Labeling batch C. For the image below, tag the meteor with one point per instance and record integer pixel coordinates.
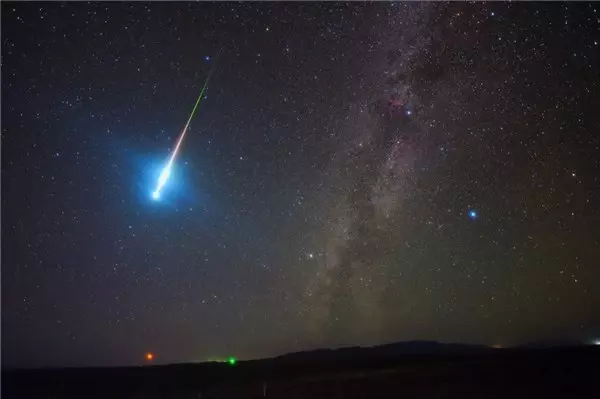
(166, 172)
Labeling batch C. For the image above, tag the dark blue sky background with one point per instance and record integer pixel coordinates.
(322, 194)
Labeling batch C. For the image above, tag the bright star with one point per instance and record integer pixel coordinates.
(473, 214)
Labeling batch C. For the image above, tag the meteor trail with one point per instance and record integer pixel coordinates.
(166, 172)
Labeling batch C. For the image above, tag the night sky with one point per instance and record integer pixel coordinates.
(356, 174)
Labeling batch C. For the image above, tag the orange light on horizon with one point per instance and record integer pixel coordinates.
(149, 356)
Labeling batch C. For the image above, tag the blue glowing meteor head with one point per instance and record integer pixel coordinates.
(162, 180)
(473, 214)
(164, 176)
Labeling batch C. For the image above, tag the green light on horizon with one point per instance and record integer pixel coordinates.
(232, 361)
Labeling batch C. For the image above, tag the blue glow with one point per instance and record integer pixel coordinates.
(207, 57)
(473, 214)
(162, 180)
(177, 196)
(409, 112)
(164, 176)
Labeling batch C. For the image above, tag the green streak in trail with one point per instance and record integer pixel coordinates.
(201, 94)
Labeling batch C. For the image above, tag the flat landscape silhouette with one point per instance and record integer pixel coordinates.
(412, 369)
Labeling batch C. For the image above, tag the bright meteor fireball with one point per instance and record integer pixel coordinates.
(166, 172)
(162, 180)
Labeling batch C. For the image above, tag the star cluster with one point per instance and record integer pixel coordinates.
(356, 174)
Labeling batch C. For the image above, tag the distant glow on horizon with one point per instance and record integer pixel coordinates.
(149, 356)
(232, 361)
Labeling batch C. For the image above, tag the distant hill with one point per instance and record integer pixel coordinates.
(386, 351)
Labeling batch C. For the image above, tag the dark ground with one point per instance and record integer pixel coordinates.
(352, 373)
